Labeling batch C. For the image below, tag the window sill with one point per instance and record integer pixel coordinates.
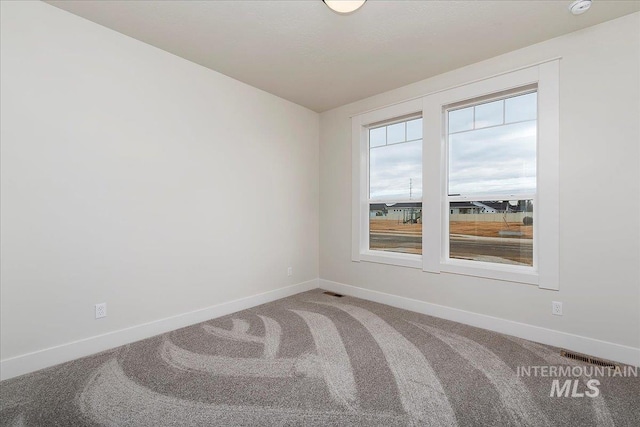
(391, 258)
(509, 273)
(485, 270)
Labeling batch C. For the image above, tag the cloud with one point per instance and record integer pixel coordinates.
(392, 168)
(497, 160)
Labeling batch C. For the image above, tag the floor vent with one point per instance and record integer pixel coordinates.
(333, 294)
(587, 359)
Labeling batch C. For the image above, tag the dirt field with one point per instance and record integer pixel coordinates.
(393, 227)
(490, 229)
(469, 228)
(389, 235)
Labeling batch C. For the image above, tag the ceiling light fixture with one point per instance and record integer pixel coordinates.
(579, 7)
(344, 7)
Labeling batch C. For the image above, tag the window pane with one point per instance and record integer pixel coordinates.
(377, 137)
(414, 129)
(395, 133)
(396, 227)
(489, 114)
(395, 171)
(497, 160)
(492, 231)
(523, 107)
(460, 120)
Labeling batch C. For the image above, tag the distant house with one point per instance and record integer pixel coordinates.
(412, 212)
(402, 212)
(489, 207)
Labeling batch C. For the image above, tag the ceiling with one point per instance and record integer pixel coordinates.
(302, 51)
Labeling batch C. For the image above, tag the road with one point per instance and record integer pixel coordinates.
(519, 250)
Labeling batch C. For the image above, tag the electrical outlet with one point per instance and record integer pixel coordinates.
(556, 308)
(101, 310)
(290, 271)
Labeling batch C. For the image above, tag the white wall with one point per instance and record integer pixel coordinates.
(136, 178)
(599, 152)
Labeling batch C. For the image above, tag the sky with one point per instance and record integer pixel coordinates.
(492, 149)
(498, 160)
(392, 168)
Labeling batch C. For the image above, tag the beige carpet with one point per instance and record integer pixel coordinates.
(314, 359)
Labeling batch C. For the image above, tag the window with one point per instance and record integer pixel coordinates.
(464, 180)
(395, 186)
(387, 182)
(491, 178)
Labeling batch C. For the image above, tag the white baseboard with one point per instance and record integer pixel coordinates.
(40, 359)
(581, 344)
(31, 362)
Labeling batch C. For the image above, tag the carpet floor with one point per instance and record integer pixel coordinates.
(313, 359)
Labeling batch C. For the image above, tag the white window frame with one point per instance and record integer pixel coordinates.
(435, 206)
(360, 185)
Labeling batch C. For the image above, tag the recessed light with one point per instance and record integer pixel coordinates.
(579, 7)
(344, 6)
